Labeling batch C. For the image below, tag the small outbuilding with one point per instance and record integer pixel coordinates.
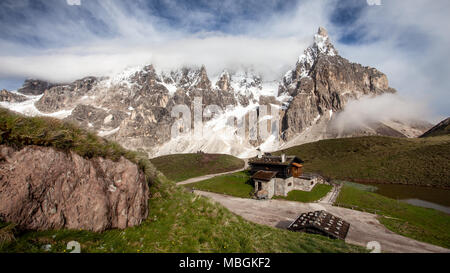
(278, 175)
(264, 184)
(321, 222)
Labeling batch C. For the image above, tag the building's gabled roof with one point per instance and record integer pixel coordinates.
(264, 175)
(321, 222)
(274, 160)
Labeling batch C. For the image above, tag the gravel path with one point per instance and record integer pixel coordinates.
(331, 197)
(205, 177)
(364, 227)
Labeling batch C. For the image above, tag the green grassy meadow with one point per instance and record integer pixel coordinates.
(235, 184)
(181, 167)
(178, 221)
(422, 162)
(422, 224)
(317, 193)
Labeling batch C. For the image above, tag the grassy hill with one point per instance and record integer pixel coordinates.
(239, 184)
(317, 193)
(181, 222)
(441, 129)
(178, 221)
(427, 225)
(180, 167)
(235, 184)
(423, 162)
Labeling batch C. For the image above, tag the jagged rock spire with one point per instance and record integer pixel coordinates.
(322, 43)
(224, 81)
(322, 32)
(321, 46)
(203, 81)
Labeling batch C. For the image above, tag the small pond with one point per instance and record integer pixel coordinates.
(427, 197)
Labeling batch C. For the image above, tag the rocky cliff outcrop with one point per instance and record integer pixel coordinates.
(34, 87)
(64, 96)
(323, 82)
(41, 188)
(7, 96)
(134, 107)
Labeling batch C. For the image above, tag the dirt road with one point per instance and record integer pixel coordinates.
(364, 227)
(205, 177)
(331, 197)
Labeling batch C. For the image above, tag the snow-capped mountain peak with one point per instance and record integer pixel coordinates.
(224, 81)
(322, 43)
(134, 107)
(321, 46)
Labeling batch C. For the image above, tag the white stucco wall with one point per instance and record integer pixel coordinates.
(267, 186)
(304, 184)
(282, 187)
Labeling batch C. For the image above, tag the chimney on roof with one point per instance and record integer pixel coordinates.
(283, 158)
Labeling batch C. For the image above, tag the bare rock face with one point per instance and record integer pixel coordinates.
(323, 81)
(7, 96)
(42, 189)
(34, 87)
(97, 119)
(135, 107)
(138, 106)
(65, 96)
(224, 82)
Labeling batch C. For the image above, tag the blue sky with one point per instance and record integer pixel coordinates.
(193, 17)
(53, 40)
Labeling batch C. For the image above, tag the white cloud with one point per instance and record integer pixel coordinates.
(411, 47)
(270, 57)
(73, 2)
(374, 2)
(417, 66)
(386, 107)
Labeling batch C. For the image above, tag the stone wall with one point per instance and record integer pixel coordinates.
(267, 186)
(304, 184)
(283, 186)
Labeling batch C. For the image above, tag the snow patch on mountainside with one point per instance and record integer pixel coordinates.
(220, 136)
(122, 78)
(27, 108)
(321, 45)
(109, 132)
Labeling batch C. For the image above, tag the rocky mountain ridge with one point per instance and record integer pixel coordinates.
(442, 128)
(134, 107)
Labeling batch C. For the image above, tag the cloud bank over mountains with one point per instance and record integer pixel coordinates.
(61, 40)
(386, 107)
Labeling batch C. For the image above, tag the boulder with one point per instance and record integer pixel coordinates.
(42, 188)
